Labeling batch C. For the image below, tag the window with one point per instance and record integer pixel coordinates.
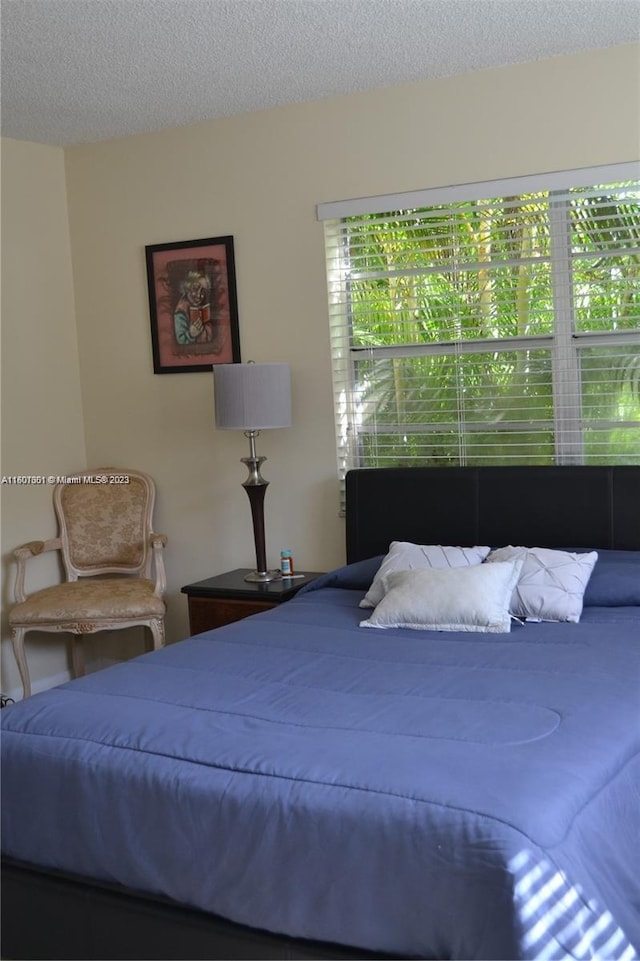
(494, 323)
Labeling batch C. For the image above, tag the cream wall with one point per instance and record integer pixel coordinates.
(259, 177)
(42, 425)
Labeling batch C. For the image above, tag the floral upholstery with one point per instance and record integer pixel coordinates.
(105, 528)
(96, 598)
(105, 523)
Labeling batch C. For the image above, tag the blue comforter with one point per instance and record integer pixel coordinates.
(426, 794)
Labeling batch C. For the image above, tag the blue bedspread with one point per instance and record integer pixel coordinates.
(426, 794)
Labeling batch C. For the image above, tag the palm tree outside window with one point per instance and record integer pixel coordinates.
(500, 328)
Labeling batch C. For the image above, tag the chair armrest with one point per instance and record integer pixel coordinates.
(158, 542)
(22, 555)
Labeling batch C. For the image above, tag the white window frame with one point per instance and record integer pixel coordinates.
(564, 343)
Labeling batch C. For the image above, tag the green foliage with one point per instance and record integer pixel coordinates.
(436, 297)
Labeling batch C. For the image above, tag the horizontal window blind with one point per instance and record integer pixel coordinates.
(504, 328)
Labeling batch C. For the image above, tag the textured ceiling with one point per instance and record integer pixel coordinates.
(83, 70)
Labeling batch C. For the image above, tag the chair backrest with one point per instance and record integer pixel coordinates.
(105, 518)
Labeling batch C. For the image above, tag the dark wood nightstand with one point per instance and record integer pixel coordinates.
(228, 597)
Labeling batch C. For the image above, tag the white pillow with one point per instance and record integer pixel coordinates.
(404, 556)
(552, 583)
(466, 599)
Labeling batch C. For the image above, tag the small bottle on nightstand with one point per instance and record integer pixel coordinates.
(286, 563)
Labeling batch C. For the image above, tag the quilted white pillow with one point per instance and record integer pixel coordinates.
(465, 599)
(552, 583)
(405, 556)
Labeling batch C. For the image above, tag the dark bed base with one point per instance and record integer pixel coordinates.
(51, 915)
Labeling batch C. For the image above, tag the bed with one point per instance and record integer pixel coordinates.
(296, 786)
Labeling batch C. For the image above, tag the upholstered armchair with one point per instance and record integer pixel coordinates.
(108, 550)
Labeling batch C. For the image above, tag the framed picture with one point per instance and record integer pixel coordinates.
(193, 305)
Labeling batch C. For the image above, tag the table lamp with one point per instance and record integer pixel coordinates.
(253, 397)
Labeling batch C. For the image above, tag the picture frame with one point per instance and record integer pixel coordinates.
(193, 305)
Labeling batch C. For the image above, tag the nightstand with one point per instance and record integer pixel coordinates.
(228, 597)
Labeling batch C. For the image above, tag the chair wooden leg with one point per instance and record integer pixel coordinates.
(17, 641)
(157, 630)
(77, 655)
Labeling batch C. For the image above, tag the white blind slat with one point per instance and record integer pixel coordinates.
(431, 197)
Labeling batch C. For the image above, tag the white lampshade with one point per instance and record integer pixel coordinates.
(252, 396)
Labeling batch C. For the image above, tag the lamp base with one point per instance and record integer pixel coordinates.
(263, 577)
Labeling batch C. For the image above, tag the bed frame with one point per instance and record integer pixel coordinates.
(48, 914)
(533, 506)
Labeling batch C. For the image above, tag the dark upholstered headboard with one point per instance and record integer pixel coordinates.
(531, 506)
